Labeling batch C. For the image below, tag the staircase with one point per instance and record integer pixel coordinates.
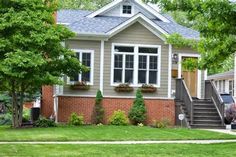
(205, 115)
(200, 113)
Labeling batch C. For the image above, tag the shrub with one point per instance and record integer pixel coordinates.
(76, 120)
(98, 111)
(26, 115)
(161, 124)
(44, 123)
(230, 114)
(118, 118)
(138, 111)
(6, 119)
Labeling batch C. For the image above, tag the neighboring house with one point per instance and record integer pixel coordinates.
(123, 42)
(224, 82)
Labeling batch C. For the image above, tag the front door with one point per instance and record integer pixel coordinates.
(190, 78)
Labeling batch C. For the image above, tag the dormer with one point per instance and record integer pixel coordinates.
(128, 8)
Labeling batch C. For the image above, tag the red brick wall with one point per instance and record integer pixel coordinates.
(47, 102)
(156, 109)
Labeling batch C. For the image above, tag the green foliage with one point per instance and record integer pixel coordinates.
(26, 115)
(118, 118)
(215, 20)
(76, 120)
(178, 41)
(161, 124)
(138, 111)
(5, 119)
(190, 64)
(44, 123)
(98, 111)
(31, 50)
(82, 4)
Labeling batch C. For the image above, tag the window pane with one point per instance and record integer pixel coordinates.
(86, 59)
(153, 62)
(129, 63)
(86, 77)
(118, 61)
(124, 49)
(142, 76)
(142, 62)
(128, 76)
(127, 9)
(148, 50)
(153, 77)
(117, 75)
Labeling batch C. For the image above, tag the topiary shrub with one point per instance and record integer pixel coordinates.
(44, 123)
(118, 118)
(98, 111)
(76, 120)
(138, 111)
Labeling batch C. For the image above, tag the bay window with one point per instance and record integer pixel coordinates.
(135, 64)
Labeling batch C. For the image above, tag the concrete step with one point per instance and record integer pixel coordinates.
(204, 110)
(205, 113)
(204, 106)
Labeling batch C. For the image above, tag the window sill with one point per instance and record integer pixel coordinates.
(135, 86)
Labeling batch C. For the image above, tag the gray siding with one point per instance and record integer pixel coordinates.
(136, 34)
(87, 45)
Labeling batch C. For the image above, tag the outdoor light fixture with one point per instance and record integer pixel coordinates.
(175, 58)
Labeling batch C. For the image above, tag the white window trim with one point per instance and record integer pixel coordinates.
(126, 15)
(136, 55)
(92, 65)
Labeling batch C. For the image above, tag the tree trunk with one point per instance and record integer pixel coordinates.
(15, 113)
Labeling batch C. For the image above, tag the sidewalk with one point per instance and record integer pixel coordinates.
(222, 131)
(124, 142)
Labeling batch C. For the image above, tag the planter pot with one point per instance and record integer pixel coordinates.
(148, 90)
(80, 87)
(228, 127)
(124, 89)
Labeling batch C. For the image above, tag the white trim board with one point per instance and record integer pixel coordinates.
(141, 4)
(144, 21)
(102, 65)
(199, 73)
(169, 70)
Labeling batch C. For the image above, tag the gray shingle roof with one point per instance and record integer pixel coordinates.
(77, 21)
(222, 76)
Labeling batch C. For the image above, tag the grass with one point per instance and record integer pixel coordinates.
(157, 150)
(106, 133)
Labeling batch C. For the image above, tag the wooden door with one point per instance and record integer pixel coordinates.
(190, 78)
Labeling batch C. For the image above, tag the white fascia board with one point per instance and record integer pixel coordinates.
(105, 8)
(132, 21)
(152, 11)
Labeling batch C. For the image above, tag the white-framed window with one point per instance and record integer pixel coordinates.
(135, 64)
(86, 57)
(126, 9)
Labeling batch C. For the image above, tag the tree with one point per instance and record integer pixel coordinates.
(98, 112)
(215, 20)
(31, 54)
(138, 111)
(82, 4)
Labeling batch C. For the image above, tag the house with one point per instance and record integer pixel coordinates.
(224, 82)
(123, 43)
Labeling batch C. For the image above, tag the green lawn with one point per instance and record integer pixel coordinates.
(106, 133)
(156, 150)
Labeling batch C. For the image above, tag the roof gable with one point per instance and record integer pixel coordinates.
(114, 8)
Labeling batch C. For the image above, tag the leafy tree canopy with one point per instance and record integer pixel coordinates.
(31, 54)
(215, 20)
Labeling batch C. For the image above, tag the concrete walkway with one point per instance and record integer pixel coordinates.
(222, 131)
(125, 142)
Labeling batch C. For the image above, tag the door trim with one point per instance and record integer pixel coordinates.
(199, 72)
